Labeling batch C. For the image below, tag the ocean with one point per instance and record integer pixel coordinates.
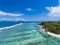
(25, 33)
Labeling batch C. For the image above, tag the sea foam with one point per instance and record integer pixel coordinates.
(10, 26)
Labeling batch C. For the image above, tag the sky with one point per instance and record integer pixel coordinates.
(29, 10)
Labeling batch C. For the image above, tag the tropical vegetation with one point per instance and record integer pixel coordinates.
(53, 27)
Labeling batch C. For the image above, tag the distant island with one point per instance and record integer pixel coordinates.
(52, 28)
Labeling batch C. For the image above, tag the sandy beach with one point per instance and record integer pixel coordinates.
(49, 33)
(52, 34)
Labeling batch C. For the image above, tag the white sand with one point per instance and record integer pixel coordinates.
(52, 34)
(49, 33)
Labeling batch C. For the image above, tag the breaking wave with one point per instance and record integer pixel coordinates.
(10, 26)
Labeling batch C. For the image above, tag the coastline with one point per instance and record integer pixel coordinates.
(49, 33)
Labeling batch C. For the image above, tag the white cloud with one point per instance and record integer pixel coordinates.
(29, 9)
(9, 14)
(4, 16)
(12, 19)
(54, 11)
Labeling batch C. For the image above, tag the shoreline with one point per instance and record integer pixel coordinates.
(49, 33)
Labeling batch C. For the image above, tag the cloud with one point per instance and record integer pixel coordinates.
(54, 11)
(11, 19)
(5, 16)
(9, 14)
(29, 9)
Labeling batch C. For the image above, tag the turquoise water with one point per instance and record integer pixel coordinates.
(26, 34)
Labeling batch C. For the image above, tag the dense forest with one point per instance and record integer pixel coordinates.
(53, 27)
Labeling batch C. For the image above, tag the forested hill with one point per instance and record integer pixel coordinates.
(53, 27)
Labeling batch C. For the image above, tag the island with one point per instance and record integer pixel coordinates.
(52, 28)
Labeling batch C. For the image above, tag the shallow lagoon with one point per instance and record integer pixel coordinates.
(26, 34)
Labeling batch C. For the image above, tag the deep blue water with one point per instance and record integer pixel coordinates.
(10, 23)
(26, 33)
(7, 23)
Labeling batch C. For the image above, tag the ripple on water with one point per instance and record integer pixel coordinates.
(26, 34)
